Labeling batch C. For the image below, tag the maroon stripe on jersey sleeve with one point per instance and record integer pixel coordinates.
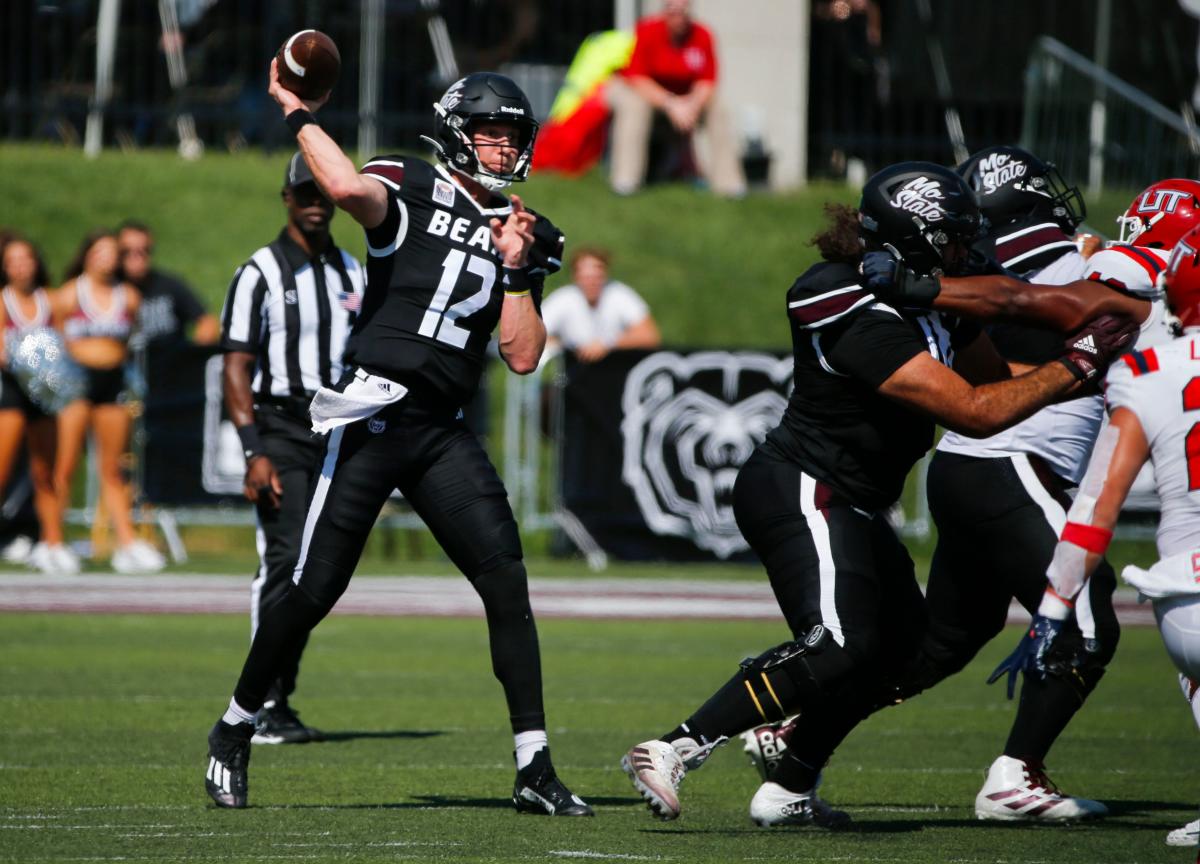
(1008, 250)
(827, 307)
(390, 171)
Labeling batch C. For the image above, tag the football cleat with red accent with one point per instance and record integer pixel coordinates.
(766, 745)
(1019, 791)
(656, 770)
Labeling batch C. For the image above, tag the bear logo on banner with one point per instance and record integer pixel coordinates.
(689, 423)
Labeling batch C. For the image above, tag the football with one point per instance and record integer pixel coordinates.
(308, 64)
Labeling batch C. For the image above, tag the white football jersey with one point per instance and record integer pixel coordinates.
(1133, 269)
(1161, 385)
(1063, 435)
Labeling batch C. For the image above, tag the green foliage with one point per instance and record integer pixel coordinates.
(105, 716)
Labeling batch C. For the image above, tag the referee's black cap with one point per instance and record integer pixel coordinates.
(297, 173)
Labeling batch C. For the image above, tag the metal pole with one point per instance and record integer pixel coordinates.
(625, 14)
(1099, 115)
(371, 50)
(106, 55)
(190, 145)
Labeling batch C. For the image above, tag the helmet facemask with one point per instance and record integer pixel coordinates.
(457, 147)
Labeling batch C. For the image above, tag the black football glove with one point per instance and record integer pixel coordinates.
(1097, 344)
(888, 279)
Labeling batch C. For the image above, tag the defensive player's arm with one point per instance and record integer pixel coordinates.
(1063, 307)
(1119, 454)
(363, 198)
(522, 333)
(975, 410)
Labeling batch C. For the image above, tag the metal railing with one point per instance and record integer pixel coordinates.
(1092, 124)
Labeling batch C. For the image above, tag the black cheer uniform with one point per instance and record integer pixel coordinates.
(435, 290)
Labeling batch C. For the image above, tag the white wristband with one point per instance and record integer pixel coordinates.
(1054, 607)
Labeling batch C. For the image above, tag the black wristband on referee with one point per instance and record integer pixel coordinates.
(516, 281)
(298, 119)
(251, 443)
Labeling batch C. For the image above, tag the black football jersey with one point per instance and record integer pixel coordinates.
(837, 427)
(434, 281)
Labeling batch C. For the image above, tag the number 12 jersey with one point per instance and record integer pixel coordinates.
(434, 282)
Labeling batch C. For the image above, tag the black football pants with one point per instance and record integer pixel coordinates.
(446, 477)
(998, 522)
(831, 564)
(296, 455)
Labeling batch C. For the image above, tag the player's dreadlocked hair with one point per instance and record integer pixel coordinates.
(839, 241)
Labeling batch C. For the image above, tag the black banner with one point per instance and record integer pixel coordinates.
(652, 443)
(191, 453)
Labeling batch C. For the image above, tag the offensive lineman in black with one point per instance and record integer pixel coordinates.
(870, 381)
(448, 258)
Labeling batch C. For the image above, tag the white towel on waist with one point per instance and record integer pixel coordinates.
(361, 398)
(1172, 576)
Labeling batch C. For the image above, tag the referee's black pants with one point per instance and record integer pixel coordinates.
(834, 565)
(998, 522)
(446, 476)
(296, 455)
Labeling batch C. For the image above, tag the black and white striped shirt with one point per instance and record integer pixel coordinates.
(294, 313)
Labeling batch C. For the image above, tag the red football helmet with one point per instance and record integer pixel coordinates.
(1182, 278)
(1162, 214)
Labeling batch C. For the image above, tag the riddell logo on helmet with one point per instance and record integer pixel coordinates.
(1161, 201)
(999, 170)
(920, 197)
(508, 110)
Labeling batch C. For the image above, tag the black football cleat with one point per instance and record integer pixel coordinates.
(538, 790)
(226, 780)
(279, 723)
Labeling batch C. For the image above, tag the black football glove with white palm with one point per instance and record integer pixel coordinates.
(885, 276)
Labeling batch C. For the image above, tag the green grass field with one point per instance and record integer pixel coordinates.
(104, 721)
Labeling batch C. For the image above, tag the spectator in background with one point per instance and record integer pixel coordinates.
(169, 307)
(673, 70)
(99, 310)
(25, 305)
(596, 314)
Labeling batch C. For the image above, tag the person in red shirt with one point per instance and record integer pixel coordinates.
(673, 70)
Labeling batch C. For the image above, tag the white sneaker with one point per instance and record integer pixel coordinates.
(17, 551)
(766, 745)
(1188, 835)
(1017, 791)
(138, 557)
(656, 771)
(774, 805)
(57, 559)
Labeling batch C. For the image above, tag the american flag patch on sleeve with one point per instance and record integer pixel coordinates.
(350, 301)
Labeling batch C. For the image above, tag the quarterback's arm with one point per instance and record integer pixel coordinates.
(1119, 454)
(363, 198)
(522, 333)
(978, 411)
(1064, 307)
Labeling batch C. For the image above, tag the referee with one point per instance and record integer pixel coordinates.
(284, 327)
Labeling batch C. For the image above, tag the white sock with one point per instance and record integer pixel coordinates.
(236, 714)
(527, 744)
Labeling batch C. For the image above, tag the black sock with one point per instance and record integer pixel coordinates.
(728, 712)
(512, 635)
(1046, 707)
